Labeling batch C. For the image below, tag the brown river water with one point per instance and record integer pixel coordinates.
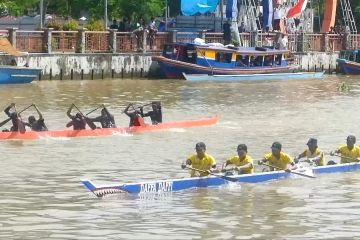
(42, 196)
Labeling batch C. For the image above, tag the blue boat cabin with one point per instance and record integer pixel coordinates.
(226, 57)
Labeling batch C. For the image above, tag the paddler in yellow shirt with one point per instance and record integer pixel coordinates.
(243, 163)
(313, 153)
(278, 160)
(201, 161)
(349, 152)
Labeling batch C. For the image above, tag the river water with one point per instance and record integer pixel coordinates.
(43, 198)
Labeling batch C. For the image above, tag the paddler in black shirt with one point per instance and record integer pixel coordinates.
(37, 125)
(155, 115)
(77, 121)
(17, 123)
(106, 119)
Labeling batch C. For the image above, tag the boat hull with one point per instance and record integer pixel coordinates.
(30, 135)
(199, 182)
(18, 75)
(174, 69)
(254, 77)
(349, 67)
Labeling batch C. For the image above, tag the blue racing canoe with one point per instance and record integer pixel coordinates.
(171, 185)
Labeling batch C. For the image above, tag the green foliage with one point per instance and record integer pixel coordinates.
(95, 25)
(71, 25)
(56, 25)
(135, 9)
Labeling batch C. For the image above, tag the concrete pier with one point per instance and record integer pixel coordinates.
(127, 65)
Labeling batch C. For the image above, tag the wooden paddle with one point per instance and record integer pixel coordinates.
(21, 125)
(88, 121)
(298, 173)
(217, 175)
(7, 120)
(349, 158)
(94, 109)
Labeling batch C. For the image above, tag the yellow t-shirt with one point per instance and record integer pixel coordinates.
(353, 153)
(280, 163)
(241, 162)
(203, 164)
(308, 154)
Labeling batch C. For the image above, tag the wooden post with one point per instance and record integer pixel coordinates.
(47, 47)
(12, 36)
(346, 41)
(173, 36)
(325, 43)
(112, 43)
(81, 41)
(144, 40)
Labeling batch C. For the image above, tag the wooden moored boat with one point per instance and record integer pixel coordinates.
(17, 75)
(178, 58)
(187, 183)
(254, 77)
(349, 62)
(109, 131)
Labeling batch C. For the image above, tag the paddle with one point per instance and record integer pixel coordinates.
(298, 173)
(349, 158)
(88, 121)
(94, 110)
(217, 175)
(7, 120)
(4, 122)
(21, 125)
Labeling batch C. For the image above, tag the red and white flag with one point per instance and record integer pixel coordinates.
(296, 11)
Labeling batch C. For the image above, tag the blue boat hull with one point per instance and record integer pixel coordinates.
(187, 183)
(254, 77)
(349, 67)
(17, 75)
(174, 69)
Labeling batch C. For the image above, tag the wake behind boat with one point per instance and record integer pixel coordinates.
(171, 185)
(254, 77)
(29, 135)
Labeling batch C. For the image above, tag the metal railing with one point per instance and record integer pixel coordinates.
(125, 42)
(30, 41)
(64, 41)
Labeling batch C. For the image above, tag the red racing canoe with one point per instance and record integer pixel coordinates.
(29, 135)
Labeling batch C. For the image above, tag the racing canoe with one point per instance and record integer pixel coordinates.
(171, 185)
(29, 135)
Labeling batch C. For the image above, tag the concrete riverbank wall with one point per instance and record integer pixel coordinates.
(130, 65)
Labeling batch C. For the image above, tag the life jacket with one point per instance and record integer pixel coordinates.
(139, 121)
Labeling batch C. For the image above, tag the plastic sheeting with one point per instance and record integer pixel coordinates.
(192, 7)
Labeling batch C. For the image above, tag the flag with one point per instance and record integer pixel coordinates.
(231, 9)
(296, 11)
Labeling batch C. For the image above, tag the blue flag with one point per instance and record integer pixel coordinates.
(192, 7)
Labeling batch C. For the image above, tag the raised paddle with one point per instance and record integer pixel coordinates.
(7, 120)
(88, 121)
(217, 175)
(298, 173)
(94, 110)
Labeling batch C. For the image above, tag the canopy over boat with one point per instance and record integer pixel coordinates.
(109, 131)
